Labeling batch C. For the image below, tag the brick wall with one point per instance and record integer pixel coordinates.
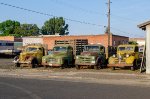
(92, 39)
(117, 40)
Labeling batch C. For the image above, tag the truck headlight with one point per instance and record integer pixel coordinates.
(59, 60)
(127, 55)
(77, 57)
(44, 60)
(114, 55)
(93, 57)
(93, 62)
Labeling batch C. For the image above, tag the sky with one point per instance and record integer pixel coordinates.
(125, 14)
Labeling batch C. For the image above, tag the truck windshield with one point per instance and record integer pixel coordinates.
(59, 49)
(29, 49)
(125, 48)
(91, 48)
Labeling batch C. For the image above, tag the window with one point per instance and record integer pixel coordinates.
(9, 44)
(123, 42)
(31, 49)
(60, 48)
(121, 48)
(91, 48)
(114, 43)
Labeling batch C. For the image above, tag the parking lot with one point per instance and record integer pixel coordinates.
(6, 63)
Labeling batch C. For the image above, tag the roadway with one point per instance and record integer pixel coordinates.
(25, 88)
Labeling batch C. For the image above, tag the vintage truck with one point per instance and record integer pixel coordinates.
(31, 55)
(92, 56)
(62, 56)
(64, 53)
(127, 56)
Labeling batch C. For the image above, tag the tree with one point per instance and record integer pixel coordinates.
(27, 30)
(8, 27)
(14, 28)
(55, 25)
(133, 42)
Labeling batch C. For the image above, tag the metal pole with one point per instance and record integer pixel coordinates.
(108, 23)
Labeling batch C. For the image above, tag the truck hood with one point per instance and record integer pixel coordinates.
(89, 53)
(56, 54)
(26, 56)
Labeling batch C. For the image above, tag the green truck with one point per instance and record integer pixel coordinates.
(92, 56)
(62, 56)
(64, 52)
(31, 55)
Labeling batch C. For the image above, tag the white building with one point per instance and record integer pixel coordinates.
(140, 41)
(32, 40)
(146, 27)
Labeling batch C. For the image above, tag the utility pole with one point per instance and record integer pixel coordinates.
(108, 15)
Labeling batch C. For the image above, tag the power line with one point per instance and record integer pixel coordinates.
(77, 7)
(45, 14)
(33, 11)
(90, 11)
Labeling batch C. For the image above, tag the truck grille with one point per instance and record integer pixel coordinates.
(85, 59)
(52, 60)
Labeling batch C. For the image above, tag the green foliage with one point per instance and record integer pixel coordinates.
(8, 27)
(55, 25)
(51, 27)
(27, 30)
(133, 42)
(14, 28)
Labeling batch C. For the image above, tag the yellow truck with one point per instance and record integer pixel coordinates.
(31, 55)
(127, 56)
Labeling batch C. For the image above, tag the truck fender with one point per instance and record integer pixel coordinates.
(16, 59)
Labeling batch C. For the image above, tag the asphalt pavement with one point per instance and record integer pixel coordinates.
(21, 88)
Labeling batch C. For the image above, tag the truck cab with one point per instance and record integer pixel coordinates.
(127, 56)
(62, 56)
(92, 56)
(30, 56)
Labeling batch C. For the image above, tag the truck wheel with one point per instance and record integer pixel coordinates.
(100, 64)
(17, 65)
(64, 65)
(134, 65)
(96, 67)
(132, 68)
(34, 63)
(113, 68)
(45, 66)
(77, 67)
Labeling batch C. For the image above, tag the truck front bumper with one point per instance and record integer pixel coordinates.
(51, 64)
(85, 64)
(120, 65)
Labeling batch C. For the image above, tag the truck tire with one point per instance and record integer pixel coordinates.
(134, 65)
(96, 67)
(34, 63)
(17, 65)
(132, 68)
(100, 64)
(64, 65)
(77, 67)
(113, 68)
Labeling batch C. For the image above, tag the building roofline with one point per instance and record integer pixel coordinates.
(143, 25)
(119, 36)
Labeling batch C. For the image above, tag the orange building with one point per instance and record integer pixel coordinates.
(7, 38)
(115, 40)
